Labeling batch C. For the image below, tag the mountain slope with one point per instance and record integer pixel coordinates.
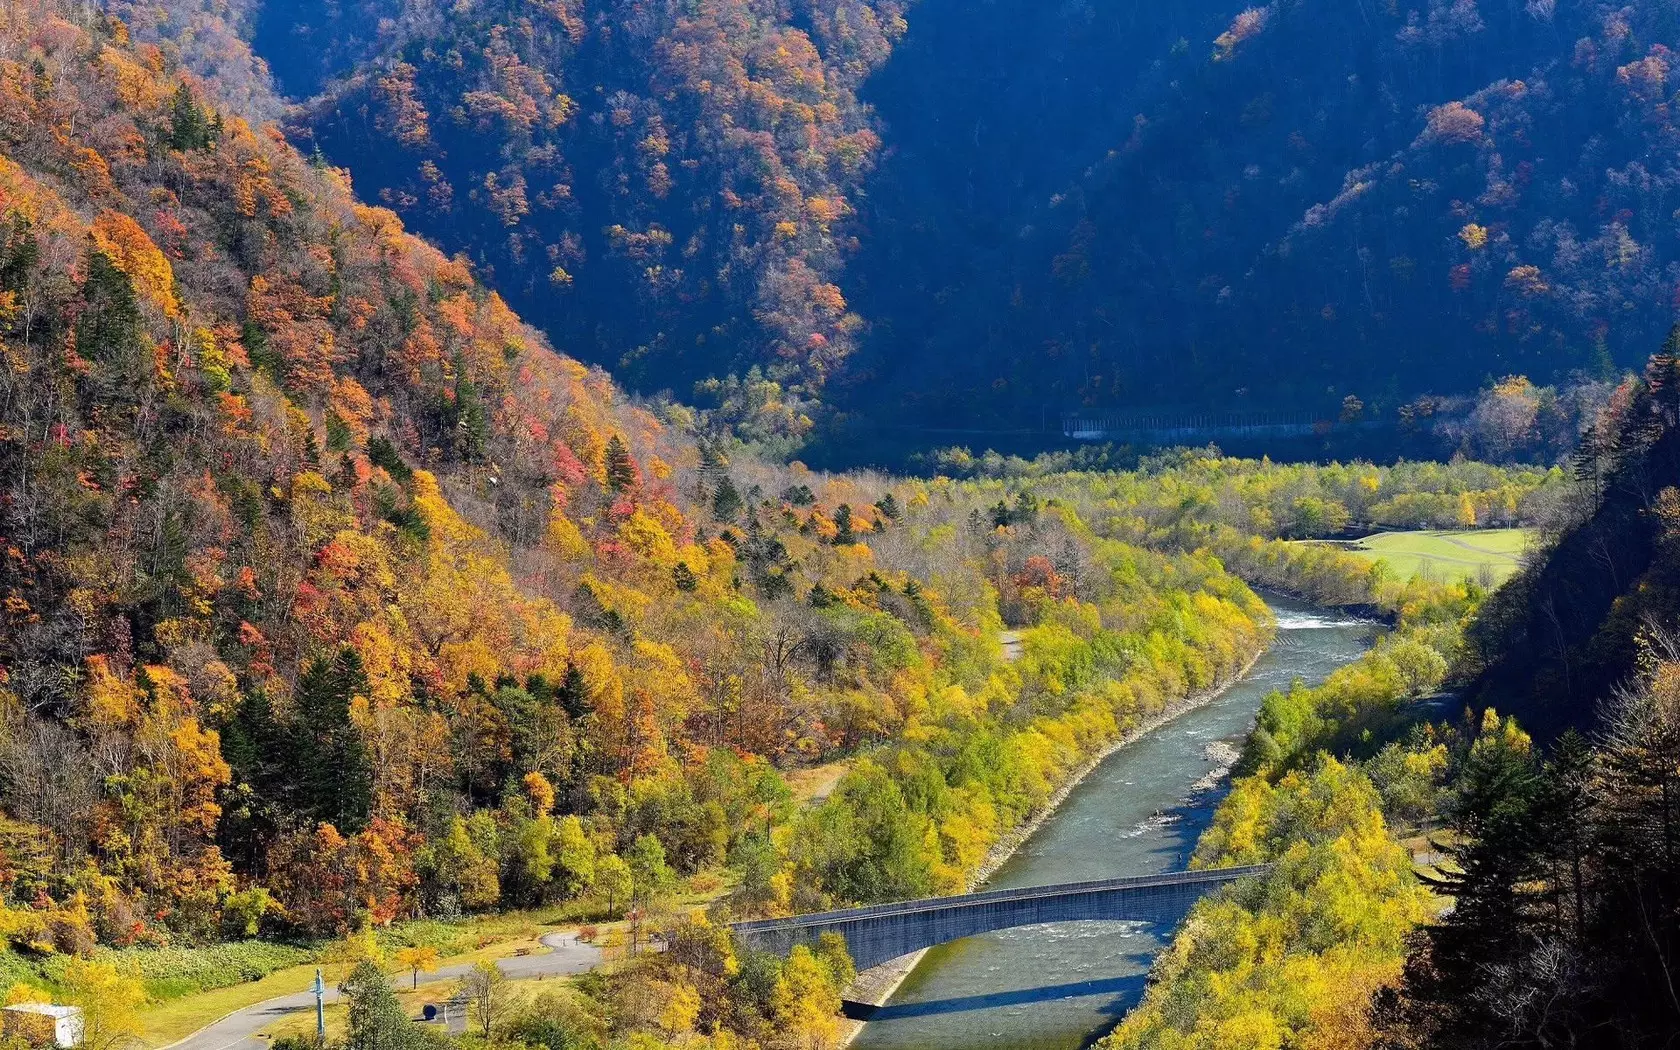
(930, 215)
(1325, 199)
(665, 187)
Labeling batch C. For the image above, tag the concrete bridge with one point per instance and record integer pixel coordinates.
(886, 931)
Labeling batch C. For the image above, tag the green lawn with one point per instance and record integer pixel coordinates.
(1446, 554)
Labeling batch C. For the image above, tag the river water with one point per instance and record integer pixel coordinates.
(1059, 986)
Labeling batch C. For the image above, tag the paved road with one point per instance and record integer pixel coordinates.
(245, 1029)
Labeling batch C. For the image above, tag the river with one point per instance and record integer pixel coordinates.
(1059, 986)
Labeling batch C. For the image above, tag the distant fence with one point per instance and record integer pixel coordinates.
(1169, 427)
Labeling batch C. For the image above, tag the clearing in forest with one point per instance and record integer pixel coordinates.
(1488, 556)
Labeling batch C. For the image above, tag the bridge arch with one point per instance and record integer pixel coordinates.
(883, 932)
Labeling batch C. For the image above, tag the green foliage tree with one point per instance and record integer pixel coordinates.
(375, 1018)
(189, 127)
(468, 417)
(683, 578)
(109, 327)
(844, 531)
(573, 694)
(650, 874)
(614, 882)
(328, 767)
(575, 857)
(865, 844)
(726, 501)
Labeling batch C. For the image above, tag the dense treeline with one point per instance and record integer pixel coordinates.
(1563, 929)
(1189, 498)
(332, 595)
(1325, 780)
(1114, 635)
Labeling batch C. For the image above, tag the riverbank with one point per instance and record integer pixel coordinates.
(1006, 847)
(1140, 810)
(876, 986)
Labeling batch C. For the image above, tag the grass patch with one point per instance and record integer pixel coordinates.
(177, 1009)
(1487, 556)
(171, 973)
(166, 1022)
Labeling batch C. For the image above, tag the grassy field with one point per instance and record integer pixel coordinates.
(1484, 555)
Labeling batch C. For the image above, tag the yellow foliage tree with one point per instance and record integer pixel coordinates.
(419, 959)
(110, 999)
(122, 241)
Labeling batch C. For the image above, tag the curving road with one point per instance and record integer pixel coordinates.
(245, 1029)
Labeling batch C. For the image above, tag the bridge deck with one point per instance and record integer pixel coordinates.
(933, 904)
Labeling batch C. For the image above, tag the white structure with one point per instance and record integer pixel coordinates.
(44, 1024)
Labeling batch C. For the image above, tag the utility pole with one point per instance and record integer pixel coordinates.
(320, 988)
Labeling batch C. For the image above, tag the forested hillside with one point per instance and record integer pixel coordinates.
(668, 188)
(1570, 627)
(1536, 907)
(333, 596)
(1303, 201)
(922, 216)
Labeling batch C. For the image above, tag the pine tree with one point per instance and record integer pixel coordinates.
(727, 503)
(331, 776)
(684, 577)
(1662, 374)
(1493, 883)
(471, 420)
(1563, 808)
(109, 327)
(254, 746)
(189, 128)
(844, 533)
(713, 463)
(573, 694)
(799, 495)
(622, 472)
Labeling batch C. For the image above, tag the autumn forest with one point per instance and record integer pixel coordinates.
(410, 543)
